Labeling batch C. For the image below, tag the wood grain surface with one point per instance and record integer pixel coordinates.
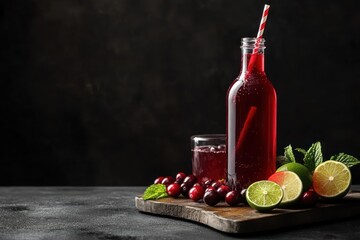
(243, 219)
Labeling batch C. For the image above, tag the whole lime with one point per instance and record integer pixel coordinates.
(302, 171)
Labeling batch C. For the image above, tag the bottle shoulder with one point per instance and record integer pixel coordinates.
(259, 78)
(251, 83)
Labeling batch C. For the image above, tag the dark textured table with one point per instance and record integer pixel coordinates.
(110, 213)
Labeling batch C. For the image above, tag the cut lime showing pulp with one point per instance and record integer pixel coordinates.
(291, 184)
(332, 179)
(264, 195)
(302, 171)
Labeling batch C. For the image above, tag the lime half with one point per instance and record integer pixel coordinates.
(302, 171)
(332, 179)
(291, 184)
(264, 195)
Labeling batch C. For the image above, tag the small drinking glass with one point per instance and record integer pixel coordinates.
(209, 159)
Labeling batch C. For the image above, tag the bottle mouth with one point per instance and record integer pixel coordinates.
(204, 137)
(251, 42)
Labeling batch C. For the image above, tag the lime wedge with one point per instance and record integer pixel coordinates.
(332, 179)
(264, 195)
(291, 185)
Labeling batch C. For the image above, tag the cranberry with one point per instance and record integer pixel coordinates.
(158, 180)
(185, 187)
(167, 180)
(190, 179)
(173, 190)
(208, 183)
(178, 182)
(197, 184)
(243, 195)
(233, 198)
(216, 184)
(211, 198)
(180, 177)
(210, 188)
(223, 190)
(309, 198)
(196, 193)
(243, 192)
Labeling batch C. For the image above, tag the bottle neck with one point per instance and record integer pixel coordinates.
(252, 55)
(252, 62)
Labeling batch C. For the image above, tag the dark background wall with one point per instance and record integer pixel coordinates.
(109, 92)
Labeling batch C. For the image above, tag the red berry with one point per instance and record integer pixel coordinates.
(196, 193)
(190, 179)
(233, 198)
(167, 180)
(197, 184)
(207, 183)
(178, 182)
(185, 187)
(309, 198)
(243, 192)
(180, 177)
(211, 198)
(158, 180)
(223, 190)
(243, 195)
(173, 190)
(210, 188)
(216, 184)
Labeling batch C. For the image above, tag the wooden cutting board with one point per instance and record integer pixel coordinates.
(243, 219)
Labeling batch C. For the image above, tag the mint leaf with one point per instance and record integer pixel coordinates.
(288, 153)
(313, 157)
(346, 159)
(301, 150)
(155, 191)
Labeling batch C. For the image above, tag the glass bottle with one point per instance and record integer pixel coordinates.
(251, 119)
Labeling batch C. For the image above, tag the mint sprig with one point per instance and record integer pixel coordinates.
(288, 153)
(313, 156)
(346, 159)
(155, 191)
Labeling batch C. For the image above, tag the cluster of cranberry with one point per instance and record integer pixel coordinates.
(209, 191)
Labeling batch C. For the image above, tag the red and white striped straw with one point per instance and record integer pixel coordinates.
(261, 27)
(263, 21)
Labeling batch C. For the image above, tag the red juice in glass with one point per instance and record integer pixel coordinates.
(251, 120)
(209, 157)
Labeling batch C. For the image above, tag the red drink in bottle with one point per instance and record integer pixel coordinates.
(251, 120)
